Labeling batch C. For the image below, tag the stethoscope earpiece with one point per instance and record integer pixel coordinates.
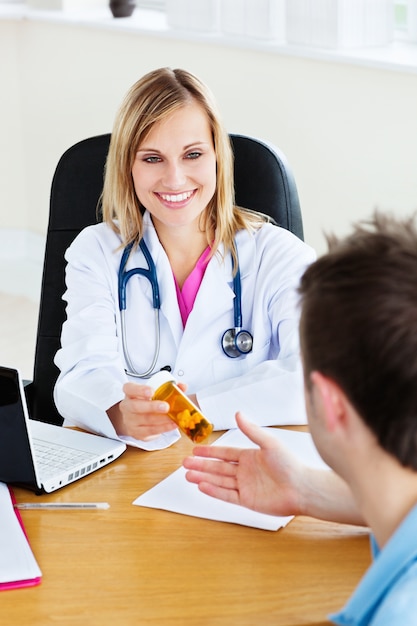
(236, 342)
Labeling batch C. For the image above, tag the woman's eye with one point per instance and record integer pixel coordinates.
(152, 159)
(193, 155)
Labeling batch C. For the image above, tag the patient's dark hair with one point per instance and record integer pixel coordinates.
(359, 327)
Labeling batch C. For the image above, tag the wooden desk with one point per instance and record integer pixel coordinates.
(135, 566)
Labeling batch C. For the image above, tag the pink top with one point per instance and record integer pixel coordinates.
(187, 295)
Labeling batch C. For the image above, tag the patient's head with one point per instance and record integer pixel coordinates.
(359, 326)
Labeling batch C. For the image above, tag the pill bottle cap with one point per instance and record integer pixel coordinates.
(160, 378)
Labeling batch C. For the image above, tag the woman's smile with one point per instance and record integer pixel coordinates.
(176, 200)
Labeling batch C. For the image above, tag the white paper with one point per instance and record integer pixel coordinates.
(176, 494)
(17, 562)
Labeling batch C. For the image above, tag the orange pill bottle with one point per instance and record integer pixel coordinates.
(182, 411)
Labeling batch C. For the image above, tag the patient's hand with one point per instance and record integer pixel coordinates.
(265, 479)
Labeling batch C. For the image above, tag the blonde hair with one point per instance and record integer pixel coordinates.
(150, 100)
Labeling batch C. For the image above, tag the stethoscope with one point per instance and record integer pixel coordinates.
(234, 342)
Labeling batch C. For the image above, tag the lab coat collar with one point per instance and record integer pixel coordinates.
(245, 243)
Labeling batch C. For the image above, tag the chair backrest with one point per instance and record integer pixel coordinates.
(263, 182)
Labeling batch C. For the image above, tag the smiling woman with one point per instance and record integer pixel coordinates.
(169, 216)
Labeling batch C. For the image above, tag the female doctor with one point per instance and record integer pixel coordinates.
(177, 277)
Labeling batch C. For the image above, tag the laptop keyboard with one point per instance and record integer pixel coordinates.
(53, 459)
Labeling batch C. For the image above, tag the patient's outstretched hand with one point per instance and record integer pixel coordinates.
(266, 479)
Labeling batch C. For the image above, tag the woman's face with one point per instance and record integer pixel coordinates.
(174, 172)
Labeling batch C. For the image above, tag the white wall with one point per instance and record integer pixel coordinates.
(12, 160)
(350, 132)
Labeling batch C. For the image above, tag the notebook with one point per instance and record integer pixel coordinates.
(18, 566)
(40, 456)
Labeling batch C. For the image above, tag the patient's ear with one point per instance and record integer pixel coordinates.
(331, 398)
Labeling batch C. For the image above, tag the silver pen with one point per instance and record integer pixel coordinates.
(62, 505)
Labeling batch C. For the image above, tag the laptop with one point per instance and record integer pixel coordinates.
(40, 456)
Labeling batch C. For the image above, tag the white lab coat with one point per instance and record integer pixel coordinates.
(265, 384)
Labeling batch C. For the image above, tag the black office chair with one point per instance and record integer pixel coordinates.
(263, 182)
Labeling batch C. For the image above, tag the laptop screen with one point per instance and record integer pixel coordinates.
(16, 465)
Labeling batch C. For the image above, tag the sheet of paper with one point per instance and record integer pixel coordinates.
(17, 563)
(177, 495)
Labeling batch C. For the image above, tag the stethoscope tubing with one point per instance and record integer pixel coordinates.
(150, 274)
(123, 278)
(235, 341)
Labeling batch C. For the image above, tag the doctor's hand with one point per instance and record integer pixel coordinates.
(268, 479)
(138, 416)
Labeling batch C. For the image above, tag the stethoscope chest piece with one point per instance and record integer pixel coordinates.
(236, 342)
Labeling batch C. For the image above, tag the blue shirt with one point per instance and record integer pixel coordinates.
(387, 594)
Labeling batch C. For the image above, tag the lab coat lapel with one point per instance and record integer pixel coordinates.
(169, 302)
(215, 294)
